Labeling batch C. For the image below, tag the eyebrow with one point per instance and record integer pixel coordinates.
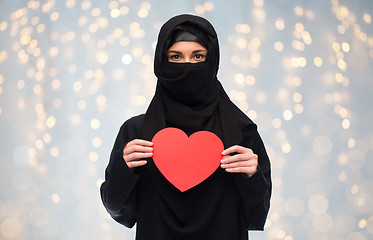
(196, 51)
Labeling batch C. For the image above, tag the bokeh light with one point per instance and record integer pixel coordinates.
(71, 72)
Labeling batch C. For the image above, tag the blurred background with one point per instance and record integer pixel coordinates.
(72, 71)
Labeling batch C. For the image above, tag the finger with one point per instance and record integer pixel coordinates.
(140, 142)
(236, 149)
(136, 164)
(239, 164)
(136, 156)
(239, 157)
(136, 148)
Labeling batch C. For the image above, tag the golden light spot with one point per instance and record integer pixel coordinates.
(10, 228)
(345, 47)
(250, 80)
(259, 13)
(280, 24)
(137, 52)
(239, 78)
(298, 10)
(51, 121)
(252, 114)
(336, 47)
(126, 59)
(209, 6)
(346, 124)
(102, 22)
(75, 119)
(342, 177)
(276, 123)
(351, 142)
(279, 46)
(281, 234)
(93, 156)
(99, 182)
(363, 223)
(298, 45)
(25, 39)
(258, 3)
(296, 81)
(299, 27)
(297, 97)
(96, 12)
(243, 28)
(55, 198)
(82, 20)
(96, 142)
(93, 28)
(101, 57)
(339, 77)
(70, 3)
(53, 52)
(343, 112)
(317, 61)
(55, 16)
(143, 13)
(54, 152)
(124, 41)
(39, 144)
(40, 28)
(343, 159)
(3, 26)
(342, 64)
(199, 9)
(298, 108)
(3, 56)
(140, 100)
(82, 104)
(37, 89)
(77, 86)
(287, 115)
(261, 97)
(20, 84)
(95, 123)
(241, 43)
(86, 4)
(355, 189)
(47, 138)
(124, 10)
(367, 18)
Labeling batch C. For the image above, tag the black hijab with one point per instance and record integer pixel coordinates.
(188, 95)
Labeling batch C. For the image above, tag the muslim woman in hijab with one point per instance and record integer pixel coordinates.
(232, 200)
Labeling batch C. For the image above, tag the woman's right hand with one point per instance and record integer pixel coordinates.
(136, 151)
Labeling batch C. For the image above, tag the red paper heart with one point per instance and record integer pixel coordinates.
(186, 162)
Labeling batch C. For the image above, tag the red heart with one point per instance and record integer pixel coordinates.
(186, 162)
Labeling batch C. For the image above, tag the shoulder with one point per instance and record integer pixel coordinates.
(135, 121)
(132, 127)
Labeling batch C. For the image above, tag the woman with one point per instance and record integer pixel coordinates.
(235, 198)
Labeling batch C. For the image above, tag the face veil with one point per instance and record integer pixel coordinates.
(191, 84)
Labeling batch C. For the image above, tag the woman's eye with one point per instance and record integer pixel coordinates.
(175, 57)
(199, 57)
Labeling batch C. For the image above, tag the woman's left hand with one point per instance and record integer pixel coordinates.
(244, 161)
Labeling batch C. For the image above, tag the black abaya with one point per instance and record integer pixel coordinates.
(189, 97)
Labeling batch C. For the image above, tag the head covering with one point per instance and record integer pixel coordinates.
(185, 35)
(188, 95)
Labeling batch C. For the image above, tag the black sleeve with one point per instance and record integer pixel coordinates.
(255, 192)
(119, 192)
